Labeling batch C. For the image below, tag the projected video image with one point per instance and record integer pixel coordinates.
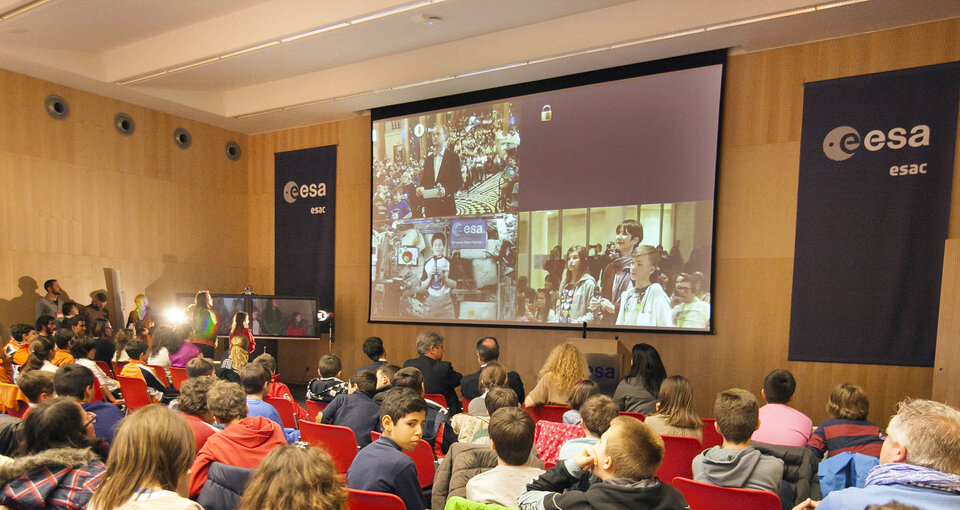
(446, 269)
(457, 163)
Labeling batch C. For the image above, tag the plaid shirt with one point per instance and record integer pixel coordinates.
(54, 487)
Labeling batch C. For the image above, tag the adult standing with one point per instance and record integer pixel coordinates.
(204, 324)
(438, 375)
(442, 177)
(97, 309)
(615, 277)
(488, 351)
(50, 303)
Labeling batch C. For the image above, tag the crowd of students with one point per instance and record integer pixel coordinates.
(217, 443)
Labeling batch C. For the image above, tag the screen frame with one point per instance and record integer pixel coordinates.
(636, 70)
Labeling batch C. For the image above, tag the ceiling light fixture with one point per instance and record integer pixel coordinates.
(22, 9)
(634, 42)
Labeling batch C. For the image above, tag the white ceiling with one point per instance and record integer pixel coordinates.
(103, 46)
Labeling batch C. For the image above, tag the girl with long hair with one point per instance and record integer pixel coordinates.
(241, 326)
(544, 306)
(42, 351)
(204, 324)
(296, 326)
(675, 415)
(294, 477)
(576, 289)
(120, 342)
(102, 332)
(638, 391)
(149, 464)
(494, 375)
(564, 368)
(234, 359)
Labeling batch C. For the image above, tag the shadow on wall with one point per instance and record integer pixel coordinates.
(19, 309)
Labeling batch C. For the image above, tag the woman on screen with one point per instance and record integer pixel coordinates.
(615, 278)
(241, 326)
(204, 324)
(545, 306)
(296, 326)
(576, 289)
(436, 281)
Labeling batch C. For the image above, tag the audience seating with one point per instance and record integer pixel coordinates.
(106, 368)
(314, 407)
(161, 374)
(339, 442)
(287, 410)
(549, 436)
(369, 500)
(97, 391)
(638, 416)
(466, 403)
(547, 412)
(178, 374)
(711, 437)
(134, 392)
(436, 397)
(704, 496)
(678, 457)
(422, 458)
(118, 367)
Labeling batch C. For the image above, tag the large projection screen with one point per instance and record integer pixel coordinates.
(580, 201)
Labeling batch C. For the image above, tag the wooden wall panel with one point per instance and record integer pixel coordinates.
(76, 197)
(946, 375)
(755, 238)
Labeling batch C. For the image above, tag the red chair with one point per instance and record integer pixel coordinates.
(422, 457)
(97, 391)
(118, 366)
(436, 397)
(547, 412)
(134, 392)
(704, 496)
(178, 374)
(678, 457)
(466, 404)
(105, 367)
(369, 500)
(287, 410)
(711, 437)
(638, 416)
(314, 407)
(161, 372)
(339, 442)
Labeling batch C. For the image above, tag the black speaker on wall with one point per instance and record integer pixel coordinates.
(181, 137)
(124, 124)
(56, 107)
(233, 151)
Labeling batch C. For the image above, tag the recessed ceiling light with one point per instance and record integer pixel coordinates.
(430, 20)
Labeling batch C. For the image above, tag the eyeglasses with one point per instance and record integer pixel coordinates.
(91, 419)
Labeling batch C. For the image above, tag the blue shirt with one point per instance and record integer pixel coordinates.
(382, 467)
(858, 499)
(108, 415)
(355, 410)
(257, 407)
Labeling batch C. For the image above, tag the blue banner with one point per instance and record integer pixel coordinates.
(305, 207)
(466, 234)
(873, 207)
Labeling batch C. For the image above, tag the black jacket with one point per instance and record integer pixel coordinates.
(439, 377)
(647, 494)
(372, 366)
(224, 486)
(470, 385)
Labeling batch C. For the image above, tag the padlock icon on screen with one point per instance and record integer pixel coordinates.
(546, 114)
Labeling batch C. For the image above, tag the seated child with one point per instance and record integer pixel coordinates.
(355, 409)
(382, 466)
(496, 399)
(62, 354)
(277, 388)
(73, 380)
(511, 438)
(137, 368)
(735, 463)
(326, 387)
(597, 412)
(37, 386)
(199, 367)
(193, 408)
(492, 376)
(410, 377)
(675, 415)
(256, 382)
(848, 430)
(385, 373)
(234, 359)
(581, 392)
(625, 460)
(84, 349)
(781, 424)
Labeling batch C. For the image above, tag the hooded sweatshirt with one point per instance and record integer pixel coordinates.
(243, 444)
(742, 469)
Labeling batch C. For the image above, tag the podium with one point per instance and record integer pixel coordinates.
(607, 360)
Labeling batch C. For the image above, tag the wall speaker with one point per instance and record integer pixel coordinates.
(182, 138)
(57, 107)
(233, 151)
(124, 124)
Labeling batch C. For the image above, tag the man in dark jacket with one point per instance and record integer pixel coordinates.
(438, 375)
(488, 350)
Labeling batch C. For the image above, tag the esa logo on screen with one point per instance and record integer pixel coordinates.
(842, 142)
(292, 191)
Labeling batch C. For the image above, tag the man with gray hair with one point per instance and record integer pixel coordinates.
(919, 463)
(438, 375)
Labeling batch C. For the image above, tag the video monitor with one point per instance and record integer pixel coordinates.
(269, 315)
(586, 200)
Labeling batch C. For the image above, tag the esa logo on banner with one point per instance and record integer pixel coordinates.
(842, 142)
(292, 191)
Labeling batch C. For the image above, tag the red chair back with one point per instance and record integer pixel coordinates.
(339, 442)
(134, 392)
(287, 410)
(118, 366)
(105, 367)
(547, 412)
(678, 457)
(161, 374)
(711, 437)
(178, 374)
(638, 416)
(466, 403)
(422, 457)
(314, 407)
(436, 397)
(369, 500)
(704, 496)
(97, 391)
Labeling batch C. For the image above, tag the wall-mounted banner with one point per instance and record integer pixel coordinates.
(873, 207)
(305, 198)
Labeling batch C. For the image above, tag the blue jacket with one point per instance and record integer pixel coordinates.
(845, 470)
(257, 407)
(858, 499)
(355, 410)
(108, 415)
(382, 467)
